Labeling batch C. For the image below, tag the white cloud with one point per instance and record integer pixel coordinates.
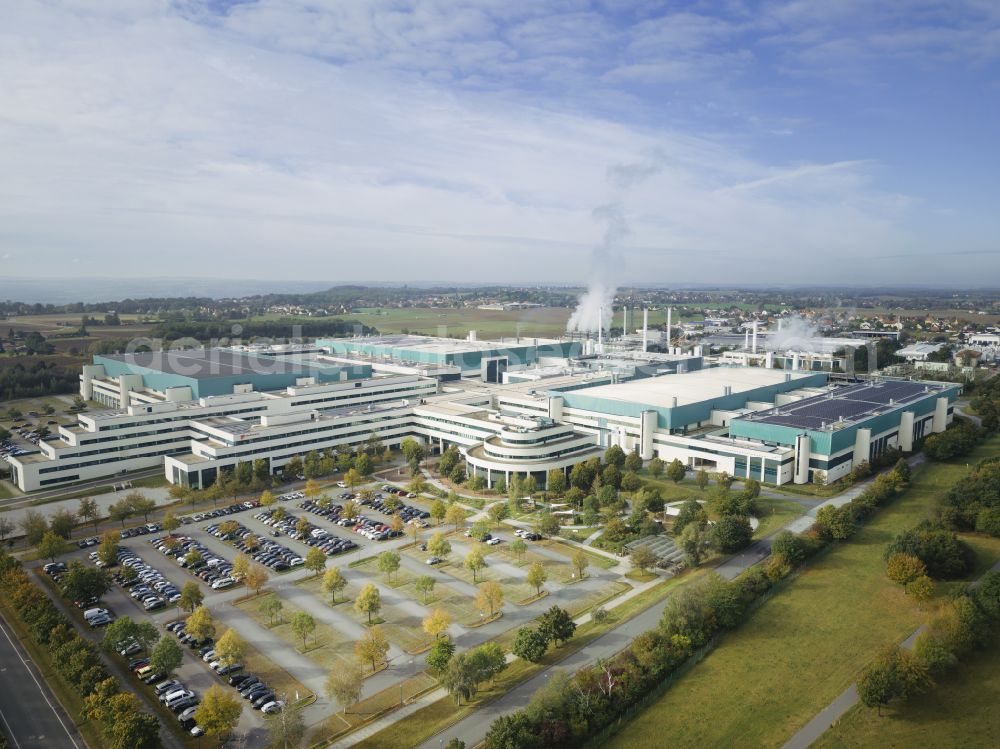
(322, 140)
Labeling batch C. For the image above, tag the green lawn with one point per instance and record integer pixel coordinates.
(961, 710)
(774, 514)
(816, 634)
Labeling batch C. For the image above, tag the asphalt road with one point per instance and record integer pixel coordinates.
(31, 716)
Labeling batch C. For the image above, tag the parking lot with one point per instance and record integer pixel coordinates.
(164, 562)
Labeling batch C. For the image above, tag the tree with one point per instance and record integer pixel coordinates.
(904, 568)
(200, 624)
(364, 465)
(440, 653)
(303, 625)
(34, 525)
(388, 562)
(62, 522)
(920, 589)
(474, 562)
(631, 482)
(518, 548)
(642, 558)
(790, 546)
(548, 524)
(701, 478)
(286, 727)
(83, 583)
(424, 585)
(675, 471)
(52, 545)
(271, 607)
(875, 686)
(140, 504)
(352, 478)
(191, 596)
(107, 552)
(439, 546)
(537, 577)
(732, 533)
(489, 597)
(218, 712)
(369, 601)
(345, 683)
(166, 656)
(632, 462)
(438, 510)
(241, 566)
(530, 644)
(170, 522)
(489, 660)
(124, 629)
(497, 512)
(267, 499)
(6, 528)
(350, 510)
(461, 677)
(437, 623)
(373, 646)
(581, 561)
(556, 625)
(614, 456)
(692, 542)
(655, 467)
(315, 561)
(333, 583)
(455, 516)
(120, 511)
(231, 648)
(256, 578)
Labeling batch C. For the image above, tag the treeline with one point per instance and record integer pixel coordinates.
(272, 329)
(119, 715)
(958, 440)
(973, 502)
(37, 379)
(987, 403)
(965, 624)
(572, 709)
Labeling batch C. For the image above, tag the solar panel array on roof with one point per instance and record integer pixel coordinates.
(851, 403)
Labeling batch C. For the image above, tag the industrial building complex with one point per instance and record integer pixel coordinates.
(524, 406)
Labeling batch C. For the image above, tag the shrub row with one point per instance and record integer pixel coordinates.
(78, 662)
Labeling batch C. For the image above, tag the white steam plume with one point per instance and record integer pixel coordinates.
(606, 258)
(796, 333)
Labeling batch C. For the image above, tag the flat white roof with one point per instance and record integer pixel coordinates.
(691, 387)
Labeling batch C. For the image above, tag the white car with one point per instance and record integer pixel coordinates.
(342, 484)
(493, 541)
(272, 707)
(223, 582)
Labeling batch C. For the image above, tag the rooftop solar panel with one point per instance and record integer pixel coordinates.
(851, 403)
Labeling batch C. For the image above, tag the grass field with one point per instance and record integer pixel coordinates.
(816, 634)
(961, 710)
(775, 513)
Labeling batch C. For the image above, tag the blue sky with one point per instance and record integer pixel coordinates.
(439, 140)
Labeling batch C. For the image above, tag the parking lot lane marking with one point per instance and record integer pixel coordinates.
(40, 688)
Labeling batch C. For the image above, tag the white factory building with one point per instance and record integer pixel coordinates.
(200, 413)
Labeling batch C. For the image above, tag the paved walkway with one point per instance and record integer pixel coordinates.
(848, 698)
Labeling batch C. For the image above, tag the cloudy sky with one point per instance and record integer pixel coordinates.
(500, 140)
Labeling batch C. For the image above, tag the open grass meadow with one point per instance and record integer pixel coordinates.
(803, 647)
(960, 711)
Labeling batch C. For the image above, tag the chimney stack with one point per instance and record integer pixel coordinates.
(645, 329)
